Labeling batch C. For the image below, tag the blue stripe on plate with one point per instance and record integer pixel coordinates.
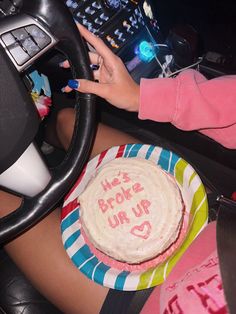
(82, 255)
(149, 152)
(88, 267)
(174, 160)
(72, 238)
(164, 159)
(70, 219)
(127, 149)
(120, 280)
(100, 273)
(134, 150)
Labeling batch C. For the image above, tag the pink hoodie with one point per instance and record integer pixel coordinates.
(191, 102)
(194, 286)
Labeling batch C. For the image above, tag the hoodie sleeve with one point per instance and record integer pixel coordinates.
(191, 102)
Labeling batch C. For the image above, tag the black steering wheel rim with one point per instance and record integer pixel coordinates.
(55, 17)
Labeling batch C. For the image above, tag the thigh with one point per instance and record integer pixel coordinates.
(105, 136)
(40, 254)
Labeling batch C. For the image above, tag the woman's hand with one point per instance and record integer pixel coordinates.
(113, 80)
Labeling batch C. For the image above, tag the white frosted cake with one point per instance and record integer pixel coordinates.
(131, 210)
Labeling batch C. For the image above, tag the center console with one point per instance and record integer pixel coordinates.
(128, 28)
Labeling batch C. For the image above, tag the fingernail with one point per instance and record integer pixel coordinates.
(74, 84)
(61, 64)
(63, 89)
(94, 67)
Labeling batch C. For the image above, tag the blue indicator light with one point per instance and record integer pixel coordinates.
(145, 51)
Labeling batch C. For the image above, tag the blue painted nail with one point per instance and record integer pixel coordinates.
(73, 84)
(94, 67)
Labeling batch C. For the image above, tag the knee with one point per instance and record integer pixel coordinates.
(9, 203)
(65, 118)
(65, 125)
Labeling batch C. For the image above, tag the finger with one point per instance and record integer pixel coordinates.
(97, 43)
(86, 86)
(94, 57)
(96, 75)
(66, 89)
(64, 64)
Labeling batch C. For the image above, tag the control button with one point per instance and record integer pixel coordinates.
(96, 5)
(39, 36)
(20, 34)
(80, 15)
(133, 21)
(112, 41)
(19, 54)
(26, 41)
(119, 34)
(128, 27)
(113, 4)
(72, 4)
(90, 11)
(30, 46)
(139, 16)
(145, 51)
(104, 17)
(88, 25)
(8, 39)
(98, 21)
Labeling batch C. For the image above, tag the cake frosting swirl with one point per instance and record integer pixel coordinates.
(131, 210)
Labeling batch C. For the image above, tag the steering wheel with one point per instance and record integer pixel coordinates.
(50, 25)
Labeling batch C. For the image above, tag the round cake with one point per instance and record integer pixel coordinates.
(131, 210)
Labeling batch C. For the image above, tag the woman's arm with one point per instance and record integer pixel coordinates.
(188, 101)
(191, 102)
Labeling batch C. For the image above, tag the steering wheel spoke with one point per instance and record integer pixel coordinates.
(24, 38)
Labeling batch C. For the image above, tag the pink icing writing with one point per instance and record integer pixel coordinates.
(142, 231)
(119, 197)
(141, 208)
(106, 185)
(122, 217)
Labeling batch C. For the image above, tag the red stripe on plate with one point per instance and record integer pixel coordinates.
(101, 157)
(69, 208)
(120, 151)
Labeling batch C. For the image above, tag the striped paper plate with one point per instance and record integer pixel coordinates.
(196, 205)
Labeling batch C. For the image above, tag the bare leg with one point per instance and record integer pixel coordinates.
(40, 253)
(41, 256)
(106, 137)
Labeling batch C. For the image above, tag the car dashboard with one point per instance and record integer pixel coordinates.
(128, 28)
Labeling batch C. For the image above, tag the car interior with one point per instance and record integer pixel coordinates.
(153, 39)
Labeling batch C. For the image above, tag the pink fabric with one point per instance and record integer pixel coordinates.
(191, 102)
(194, 285)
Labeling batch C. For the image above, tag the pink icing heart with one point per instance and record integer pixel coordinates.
(142, 231)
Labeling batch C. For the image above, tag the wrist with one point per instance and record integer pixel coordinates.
(134, 102)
